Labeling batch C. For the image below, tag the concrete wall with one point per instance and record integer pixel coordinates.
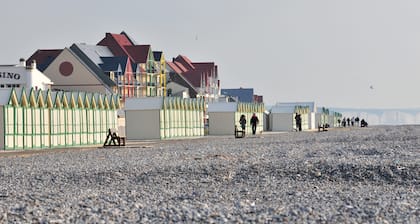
(142, 124)
(221, 123)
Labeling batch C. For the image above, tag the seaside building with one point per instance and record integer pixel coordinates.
(23, 76)
(161, 71)
(202, 76)
(73, 70)
(176, 80)
(149, 75)
(243, 95)
(115, 65)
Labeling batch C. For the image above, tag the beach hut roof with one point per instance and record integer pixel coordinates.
(290, 107)
(147, 103)
(223, 107)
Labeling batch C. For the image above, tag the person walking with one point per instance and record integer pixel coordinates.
(298, 120)
(242, 121)
(254, 121)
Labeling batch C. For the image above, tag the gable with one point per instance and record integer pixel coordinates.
(139, 53)
(67, 72)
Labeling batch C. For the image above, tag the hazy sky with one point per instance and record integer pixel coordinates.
(327, 51)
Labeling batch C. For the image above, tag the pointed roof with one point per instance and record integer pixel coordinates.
(138, 53)
(174, 67)
(94, 52)
(116, 43)
(91, 65)
(113, 63)
(180, 66)
(185, 61)
(44, 58)
(157, 55)
(193, 77)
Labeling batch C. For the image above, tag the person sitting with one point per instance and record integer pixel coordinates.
(363, 123)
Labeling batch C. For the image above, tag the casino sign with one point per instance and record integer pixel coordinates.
(10, 75)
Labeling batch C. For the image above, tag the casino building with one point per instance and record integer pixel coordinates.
(23, 76)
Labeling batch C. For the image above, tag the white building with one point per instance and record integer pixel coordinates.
(22, 76)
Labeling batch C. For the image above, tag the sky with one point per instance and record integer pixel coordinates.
(338, 53)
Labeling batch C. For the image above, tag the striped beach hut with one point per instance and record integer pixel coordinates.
(282, 116)
(223, 116)
(163, 118)
(34, 119)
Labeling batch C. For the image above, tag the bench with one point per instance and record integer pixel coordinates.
(114, 139)
(239, 133)
(322, 127)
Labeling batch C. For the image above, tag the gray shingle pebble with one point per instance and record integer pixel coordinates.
(355, 176)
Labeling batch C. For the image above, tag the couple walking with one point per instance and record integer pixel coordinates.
(254, 121)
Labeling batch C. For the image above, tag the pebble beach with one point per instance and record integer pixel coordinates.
(344, 175)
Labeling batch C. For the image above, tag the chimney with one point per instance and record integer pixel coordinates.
(33, 64)
(22, 62)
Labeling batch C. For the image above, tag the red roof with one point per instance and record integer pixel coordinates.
(174, 67)
(185, 61)
(44, 58)
(116, 43)
(180, 66)
(194, 77)
(138, 53)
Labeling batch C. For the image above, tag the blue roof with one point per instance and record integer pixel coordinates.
(157, 55)
(244, 95)
(112, 63)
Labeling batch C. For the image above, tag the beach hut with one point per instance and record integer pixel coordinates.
(322, 117)
(35, 119)
(142, 117)
(223, 116)
(282, 116)
(163, 118)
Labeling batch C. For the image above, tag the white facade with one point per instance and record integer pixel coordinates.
(163, 118)
(142, 117)
(282, 116)
(223, 116)
(22, 76)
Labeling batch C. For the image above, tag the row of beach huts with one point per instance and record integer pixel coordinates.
(36, 119)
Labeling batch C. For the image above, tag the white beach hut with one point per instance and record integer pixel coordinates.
(142, 117)
(223, 116)
(163, 118)
(282, 116)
